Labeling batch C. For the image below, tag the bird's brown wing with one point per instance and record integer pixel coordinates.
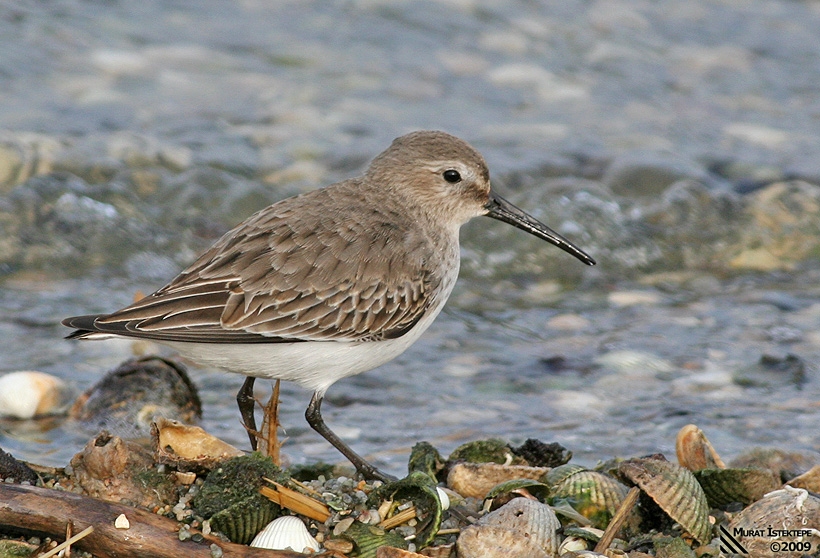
(300, 270)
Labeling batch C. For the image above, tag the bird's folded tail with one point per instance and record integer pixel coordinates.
(84, 326)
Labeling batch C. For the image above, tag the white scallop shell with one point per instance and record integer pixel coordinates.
(285, 533)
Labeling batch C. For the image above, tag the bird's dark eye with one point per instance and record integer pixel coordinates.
(452, 176)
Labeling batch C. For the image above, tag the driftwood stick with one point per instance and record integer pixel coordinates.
(68, 542)
(46, 511)
(618, 519)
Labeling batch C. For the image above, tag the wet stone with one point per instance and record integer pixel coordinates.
(649, 174)
(772, 370)
(126, 400)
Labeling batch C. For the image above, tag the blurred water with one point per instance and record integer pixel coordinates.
(675, 141)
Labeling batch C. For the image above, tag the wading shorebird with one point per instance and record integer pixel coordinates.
(331, 283)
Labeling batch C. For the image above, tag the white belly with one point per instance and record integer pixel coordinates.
(314, 365)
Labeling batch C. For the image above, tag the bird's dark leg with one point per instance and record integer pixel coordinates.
(247, 405)
(313, 415)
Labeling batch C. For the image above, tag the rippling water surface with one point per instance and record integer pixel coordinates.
(677, 142)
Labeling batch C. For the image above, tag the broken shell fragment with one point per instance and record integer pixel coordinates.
(421, 490)
(444, 498)
(286, 533)
(578, 539)
(188, 447)
(425, 458)
(790, 515)
(440, 551)
(725, 486)
(475, 480)
(572, 544)
(675, 490)
(122, 522)
(694, 450)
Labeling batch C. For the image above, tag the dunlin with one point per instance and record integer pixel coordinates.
(330, 283)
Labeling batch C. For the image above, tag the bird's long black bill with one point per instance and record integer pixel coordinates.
(501, 209)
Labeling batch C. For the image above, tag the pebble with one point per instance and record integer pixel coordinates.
(636, 174)
(27, 394)
(622, 299)
(568, 322)
(629, 362)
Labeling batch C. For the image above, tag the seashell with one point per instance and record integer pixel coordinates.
(529, 519)
(481, 541)
(474, 480)
(444, 498)
(393, 552)
(27, 394)
(122, 522)
(787, 464)
(185, 478)
(725, 486)
(486, 451)
(594, 495)
(675, 490)
(421, 490)
(425, 458)
(694, 450)
(558, 474)
(590, 534)
(572, 544)
(12, 548)
(13, 470)
(672, 547)
(340, 546)
(244, 519)
(541, 454)
(440, 551)
(786, 509)
(810, 480)
(286, 533)
(188, 447)
(502, 493)
(230, 497)
(367, 539)
(114, 469)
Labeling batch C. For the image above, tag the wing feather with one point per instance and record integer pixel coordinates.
(276, 278)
